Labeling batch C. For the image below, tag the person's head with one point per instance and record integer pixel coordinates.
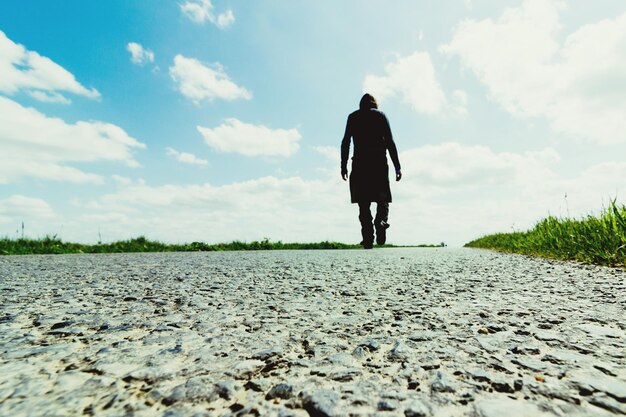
(368, 102)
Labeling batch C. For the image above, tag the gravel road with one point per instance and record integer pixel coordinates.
(389, 332)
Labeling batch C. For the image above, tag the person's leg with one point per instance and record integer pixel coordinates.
(382, 215)
(367, 228)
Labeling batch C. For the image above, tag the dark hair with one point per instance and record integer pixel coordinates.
(368, 102)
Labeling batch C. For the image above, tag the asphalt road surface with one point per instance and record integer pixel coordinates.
(388, 332)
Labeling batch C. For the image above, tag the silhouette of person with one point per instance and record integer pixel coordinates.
(369, 179)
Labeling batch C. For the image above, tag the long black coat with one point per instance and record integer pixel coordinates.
(369, 179)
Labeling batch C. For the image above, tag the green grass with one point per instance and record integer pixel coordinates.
(597, 239)
(53, 245)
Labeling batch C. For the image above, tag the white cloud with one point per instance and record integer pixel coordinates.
(138, 54)
(459, 102)
(578, 85)
(24, 208)
(290, 209)
(234, 136)
(43, 79)
(185, 157)
(450, 192)
(413, 79)
(329, 152)
(201, 11)
(121, 180)
(456, 165)
(199, 82)
(49, 97)
(35, 145)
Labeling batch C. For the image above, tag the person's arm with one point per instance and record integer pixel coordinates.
(393, 151)
(345, 150)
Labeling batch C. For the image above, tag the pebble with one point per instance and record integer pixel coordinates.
(442, 383)
(320, 403)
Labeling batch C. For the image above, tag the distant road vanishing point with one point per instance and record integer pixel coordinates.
(400, 332)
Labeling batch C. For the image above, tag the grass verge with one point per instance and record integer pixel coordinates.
(53, 245)
(597, 240)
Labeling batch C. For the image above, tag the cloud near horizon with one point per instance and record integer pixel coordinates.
(39, 76)
(499, 190)
(37, 146)
(235, 136)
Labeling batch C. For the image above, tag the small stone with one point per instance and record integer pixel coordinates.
(479, 375)
(370, 344)
(442, 383)
(526, 350)
(386, 405)
(429, 363)
(399, 352)
(284, 391)
(320, 403)
(225, 389)
(194, 389)
(345, 375)
(501, 385)
(416, 408)
(264, 355)
(358, 352)
(495, 327)
(422, 336)
(61, 325)
(246, 369)
(546, 336)
(258, 385)
(150, 374)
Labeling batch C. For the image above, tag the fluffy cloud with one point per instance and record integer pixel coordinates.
(43, 79)
(201, 11)
(35, 145)
(24, 208)
(138, 54)
(578, 85)
(450, 192)
(185, 157)
(331, 153)
(199, 82)
(413, 79)
(288, 209)
(456, 165)
(234, 136)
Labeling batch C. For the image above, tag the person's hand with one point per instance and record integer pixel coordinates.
(398, 175)
(344, 175)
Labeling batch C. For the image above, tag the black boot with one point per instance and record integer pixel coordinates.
(381, 232)
(367, 228)
(382, 214)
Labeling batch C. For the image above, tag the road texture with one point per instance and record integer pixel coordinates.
(389, 332)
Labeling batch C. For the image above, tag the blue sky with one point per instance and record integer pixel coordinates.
(220, 120)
